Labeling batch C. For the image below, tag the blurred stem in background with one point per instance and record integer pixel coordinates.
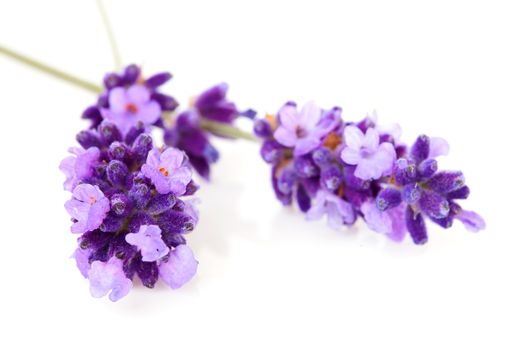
(112, 41)
(211, 126)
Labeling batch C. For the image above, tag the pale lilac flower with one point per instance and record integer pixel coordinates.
(130, 106)
(167, 170)
(338, 211)
(301, 130)
(82, 258)
(108, 276)
(471, 220)
(79, 166)
(180, 267)
(149, 241)
(390, 222)
(438, 147)
(373, 160)
(88, 207)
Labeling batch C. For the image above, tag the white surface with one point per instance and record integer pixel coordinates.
(267, 278)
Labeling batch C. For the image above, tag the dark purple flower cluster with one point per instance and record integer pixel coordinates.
(347, 170)
(130, 101)
(140, 92)
(127, 207)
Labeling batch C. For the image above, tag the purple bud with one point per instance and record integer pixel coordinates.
(305, 167)
(322, 156)
(331, 178)
(131, 74)
(353, 182)
(112, 223)
(412, 193)
(112, 80)
(142, 145)
(421, 149)
(416, 226)
(388, 198)
(88, 138)
(303, 199)
(138, 220)
(103, 100)
(160, 203)
(117, 172)
(109, 133)
(134, 132)
(148, 272)
(173, 222)
(157, 80)
(93, 113)
(427, 168)
(262, 128)
(433, 204)
(210, 153)
(191, 188)
(447, 221)
(94, 240)
(460, 193)
(405, 171)
(286, 181)
(117, 150)
(271, 152)
(167, 103)
(120, 204)
(211, 96)
(445, 182)
(140, 194)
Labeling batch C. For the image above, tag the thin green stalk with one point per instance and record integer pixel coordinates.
(226, 130)
(113, 43)
(51, 70)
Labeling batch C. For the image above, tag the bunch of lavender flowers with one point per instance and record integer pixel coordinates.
(127, 206)
(130, 101)
(347, 170)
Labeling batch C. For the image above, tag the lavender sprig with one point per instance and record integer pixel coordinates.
(128, 205)
(346, 170)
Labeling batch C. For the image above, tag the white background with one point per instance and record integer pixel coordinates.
(267, 278)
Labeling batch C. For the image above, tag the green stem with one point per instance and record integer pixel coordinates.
(111, 36)
(226, 130)
(50, 70)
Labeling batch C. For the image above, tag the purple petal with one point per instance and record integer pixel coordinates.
(149, 241)
(180, 267)
(472, 221)
(108, 278)
(438, 147)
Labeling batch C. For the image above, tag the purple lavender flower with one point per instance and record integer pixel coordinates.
(167, 171)
(129, 225)
(108, 277)
(302, 130)
(390, 222)
(188, 134)
(88, 207)
(338, 211)
(80, 166)
(212, 104)
(149, 241)
(371, 174)
(137, 98)
(179, 267)
(130, 106)
(372, 158)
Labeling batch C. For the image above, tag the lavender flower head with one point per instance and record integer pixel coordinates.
(345, 170)
(128, 206)
(130, 101)
(188, 133)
